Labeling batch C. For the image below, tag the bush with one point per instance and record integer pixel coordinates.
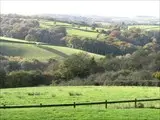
(27, 78)
(140, 105)
(2, 78)
(141, 75)
(33, 93)
(156, 75)
(74, 94)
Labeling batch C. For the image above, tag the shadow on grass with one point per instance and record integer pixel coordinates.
(53, 51)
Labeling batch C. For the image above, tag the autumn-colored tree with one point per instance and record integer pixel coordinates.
(156, 75)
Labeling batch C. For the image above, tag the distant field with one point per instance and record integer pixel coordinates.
(82, 33)
(49, 95)
(33, 51)
(12, 39)
(49, 24)
(146, 27)
(71, 30)
(103, 23)
(28, 51)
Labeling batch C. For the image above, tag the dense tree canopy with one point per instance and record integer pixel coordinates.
(140, 68)
(132, 55)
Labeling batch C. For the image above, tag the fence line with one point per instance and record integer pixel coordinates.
(80, 104)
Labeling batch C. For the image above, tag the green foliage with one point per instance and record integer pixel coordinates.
(141, 75)
(156, 75)
(113, 64)
(12, 66)
(140, 105)
(2, 78)
(74, 94)
(77, 65)
(25, 78)
(92, 45)
(13, 26)
(85, 70)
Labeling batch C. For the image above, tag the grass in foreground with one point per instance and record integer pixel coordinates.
(79, 114)
(58, 95)
(61, 94)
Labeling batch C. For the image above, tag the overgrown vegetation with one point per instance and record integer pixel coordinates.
(138, 69)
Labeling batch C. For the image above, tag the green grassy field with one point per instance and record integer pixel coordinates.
(40, 52)
(82, 33)
(48, 95)
(61, 94)
(79, 114)
(70, 30)
(49, 24)
(146, 27)
(7, 39)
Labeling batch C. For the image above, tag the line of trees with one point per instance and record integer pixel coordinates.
(29, 29)
(140, 68)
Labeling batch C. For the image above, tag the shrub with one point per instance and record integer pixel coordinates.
(140, 105)
(53, 95)
(27, 78)
(74, 94)
(33, 93)
(141, 75)
(156, 75)
(2, 78)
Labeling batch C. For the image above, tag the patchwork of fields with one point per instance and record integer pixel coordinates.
(86, 31)
(71, 30)
(146, 27)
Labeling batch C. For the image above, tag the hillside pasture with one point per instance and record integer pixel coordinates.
(61, 94)
(83, 31)
(49, 24)
(146, 27)
(79, 114)
(54, 95)
(27, 51)
(34, 51)
(7, 39)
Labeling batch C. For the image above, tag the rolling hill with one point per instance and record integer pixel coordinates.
(81, 31)
(16, 47)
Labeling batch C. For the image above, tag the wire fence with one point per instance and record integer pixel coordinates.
(74, 104)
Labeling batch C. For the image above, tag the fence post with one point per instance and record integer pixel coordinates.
(135, 103)
(106, 104)
(74, 105)
(40, 104)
